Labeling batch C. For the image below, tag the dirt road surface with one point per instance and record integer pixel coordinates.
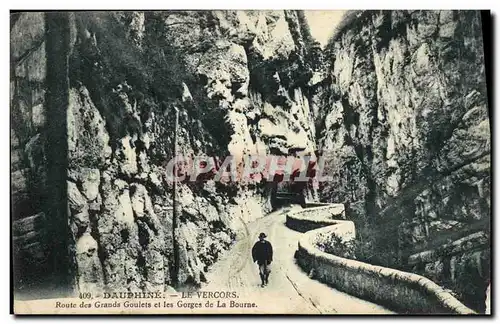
(290, 290)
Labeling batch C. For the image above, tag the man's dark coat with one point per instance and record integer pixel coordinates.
(262, 252)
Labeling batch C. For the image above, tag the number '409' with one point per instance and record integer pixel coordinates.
(85, 295)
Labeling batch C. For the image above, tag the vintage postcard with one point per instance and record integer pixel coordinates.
(250, 162)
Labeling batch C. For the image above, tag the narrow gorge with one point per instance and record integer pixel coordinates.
(395, 102)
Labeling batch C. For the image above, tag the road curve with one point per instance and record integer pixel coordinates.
(290, 290)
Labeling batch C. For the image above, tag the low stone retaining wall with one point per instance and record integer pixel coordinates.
(315, 217)
(401, 291)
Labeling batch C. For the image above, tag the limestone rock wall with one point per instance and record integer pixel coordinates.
(229, 75)
(28, 172)
(239, 81)
(405, 122)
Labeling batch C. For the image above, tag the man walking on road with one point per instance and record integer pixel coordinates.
(262, 252)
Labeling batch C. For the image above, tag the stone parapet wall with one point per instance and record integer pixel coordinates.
(398, 290)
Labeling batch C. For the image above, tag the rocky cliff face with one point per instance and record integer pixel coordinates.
(28, 171)
(405, 121)
(239, 82)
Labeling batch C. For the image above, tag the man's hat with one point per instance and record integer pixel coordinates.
(262, 235)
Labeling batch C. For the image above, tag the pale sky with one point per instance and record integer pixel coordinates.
(323, 22)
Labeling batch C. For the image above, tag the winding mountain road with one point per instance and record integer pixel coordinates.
(290, 290)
